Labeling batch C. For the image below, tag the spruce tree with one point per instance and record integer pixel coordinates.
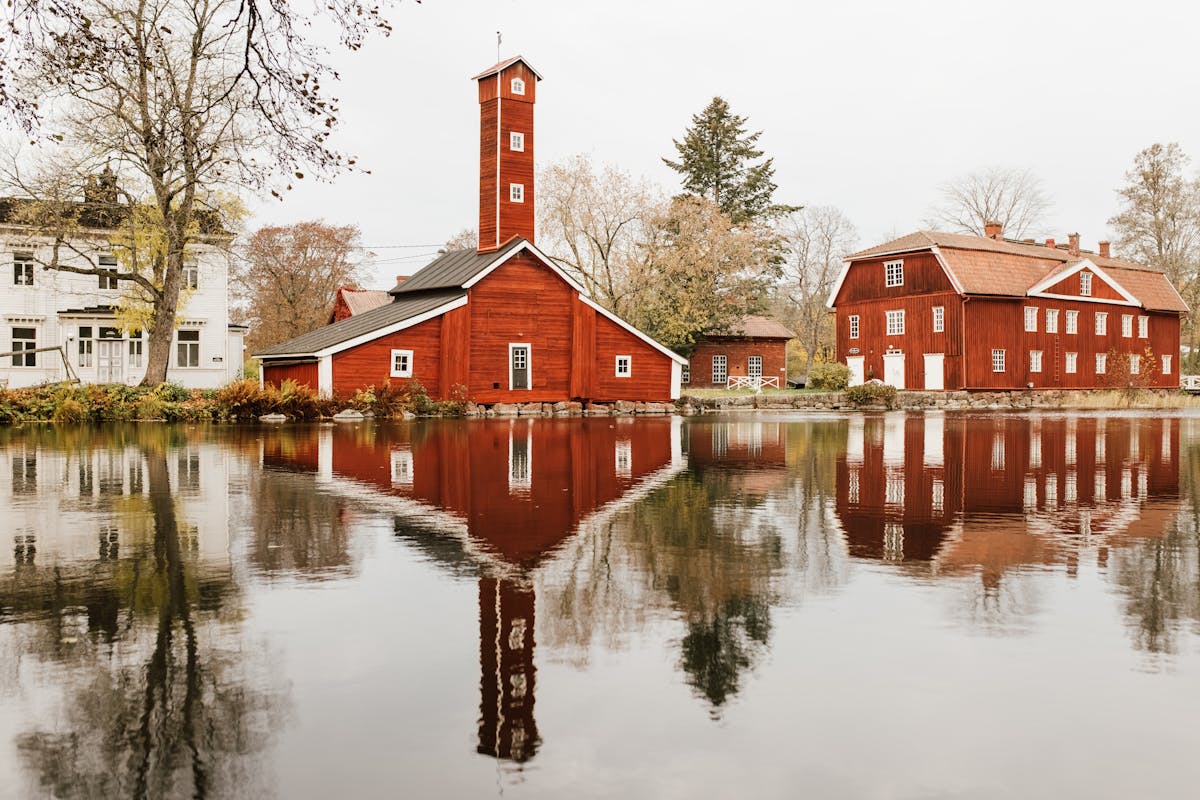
(716, 160)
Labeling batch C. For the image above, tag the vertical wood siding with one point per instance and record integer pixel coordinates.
(1000, 324)
(370, 364)
(303, 374)
(650, 370)
(1100, 288)
(918, 338)
(455, 372)
(865, 280)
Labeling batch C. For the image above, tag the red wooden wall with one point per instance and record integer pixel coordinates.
(1070, 286)
(370, 364)
(304, 374)
(515, 113)
(1000, 324)
(865, 280)
(918, 337)
(737, 353)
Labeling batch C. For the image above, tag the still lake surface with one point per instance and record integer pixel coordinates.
(888, 606)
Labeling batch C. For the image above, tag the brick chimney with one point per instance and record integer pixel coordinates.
(401, 279)
(993, 230)
(1073, 244)
(507, 92)
(1104, 250)
(1050, 243)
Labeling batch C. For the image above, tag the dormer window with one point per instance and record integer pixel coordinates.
(516, 142)
(1085, 284)
(516, 192)
(894, 273)
(518, 86)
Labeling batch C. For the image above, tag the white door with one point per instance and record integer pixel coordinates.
(855, 363)
(109, 362)
(893, 369)
(935, 376)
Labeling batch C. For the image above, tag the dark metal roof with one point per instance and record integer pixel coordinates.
(453, 269)
(402, 308)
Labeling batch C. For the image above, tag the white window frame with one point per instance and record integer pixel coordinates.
(1127, 326)
(627, 363)
(1166, 365)
(179, 343)
(997, 359)
(1072, 326)
(724, 365)
(1102, 323)
(11, 361)
(517, 86)
(528, 365)
(854, 326)
(1051, 320)
(401, 372)
(108, 281)
(516, 141)
(516, 193)
(1101, 363)
(898, 328)
(1035, 360)
(1085, 284)
(893, 273)
(939, 319)
(85, 353)
(1143, 327)
(23, 270)
(136, 352)
(685, 373)
(1135, 364)
(402, 467)
(1072, 364)
(1031, 319)
(190, 277)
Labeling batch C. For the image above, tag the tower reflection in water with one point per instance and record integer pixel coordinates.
(944, 494)
(497, 498)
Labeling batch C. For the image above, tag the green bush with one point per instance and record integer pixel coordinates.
(173, 392)
(872, 394)
(70, 410)
(834, 377)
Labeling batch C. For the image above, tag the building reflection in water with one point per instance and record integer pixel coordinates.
(120, 582)
(497, 498)
(947, 495)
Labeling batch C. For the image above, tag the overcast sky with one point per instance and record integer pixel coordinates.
(867, 106)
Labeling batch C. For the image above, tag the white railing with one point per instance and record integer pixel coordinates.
(1190, 383)
(755, 383)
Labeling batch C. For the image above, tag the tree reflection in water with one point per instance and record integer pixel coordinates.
(164, 698)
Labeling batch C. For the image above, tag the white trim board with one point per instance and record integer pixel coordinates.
(538, 254)
(1039, 289)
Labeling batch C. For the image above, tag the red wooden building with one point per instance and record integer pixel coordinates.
(754, 353)
(951, 311)
(945, 495)
(349, 301)
(501, 323)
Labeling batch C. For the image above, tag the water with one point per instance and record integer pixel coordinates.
(890, 606)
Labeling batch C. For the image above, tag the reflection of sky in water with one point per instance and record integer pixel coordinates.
(864, 606)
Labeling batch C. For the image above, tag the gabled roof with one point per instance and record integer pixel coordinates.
(1001, 267)
(756, 327)
(505, 64)
(454, 269)
(373, 323)
(360, 300)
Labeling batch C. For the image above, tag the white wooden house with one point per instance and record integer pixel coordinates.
(43, 308)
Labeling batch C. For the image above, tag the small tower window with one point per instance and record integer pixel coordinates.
(516, 142)
(516, 192)
(518, 86)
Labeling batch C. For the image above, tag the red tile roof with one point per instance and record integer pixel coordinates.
(1004, 267)
(756, 327)
(360, 300)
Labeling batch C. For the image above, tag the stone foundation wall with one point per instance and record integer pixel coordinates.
(567, 409)
(818, 401)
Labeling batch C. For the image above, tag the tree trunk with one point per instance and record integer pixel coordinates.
(162, 330)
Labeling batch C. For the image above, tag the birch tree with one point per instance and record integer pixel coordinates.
(184, 99)
(593, 222)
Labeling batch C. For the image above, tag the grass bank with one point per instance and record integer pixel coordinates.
(238, 401)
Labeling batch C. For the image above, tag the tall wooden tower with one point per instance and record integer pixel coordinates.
(507, 92)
